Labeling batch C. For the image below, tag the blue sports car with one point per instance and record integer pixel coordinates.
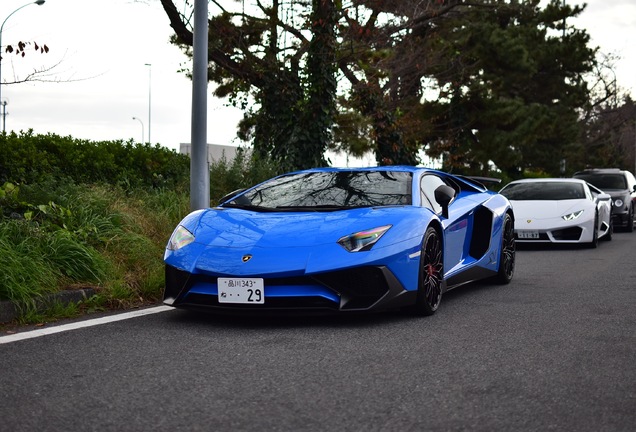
(341, 240)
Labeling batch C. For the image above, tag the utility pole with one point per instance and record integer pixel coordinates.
(4, 115)
(199, 170)
(149, 100)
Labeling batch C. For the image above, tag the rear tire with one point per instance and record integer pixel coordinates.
(431, 283)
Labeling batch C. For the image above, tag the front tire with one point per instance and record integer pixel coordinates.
(431, 282)
(610, 231)
(594, 243)
(508, 252)
(630, 219)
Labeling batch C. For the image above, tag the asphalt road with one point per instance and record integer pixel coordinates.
(554, 350)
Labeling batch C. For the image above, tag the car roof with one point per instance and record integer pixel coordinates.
(403, 168)
(600, 171)
(475, 183)
(551, 180)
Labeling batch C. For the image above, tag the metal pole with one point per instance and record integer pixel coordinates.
(4, 114)
(39, 3)
(149, 99)
(199, 171)
(142, 128)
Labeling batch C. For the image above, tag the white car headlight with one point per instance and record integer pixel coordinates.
(362, 240)
(618, 203)
(180, 237)
(572, 216)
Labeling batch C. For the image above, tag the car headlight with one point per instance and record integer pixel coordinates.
(180, 237)
(618, 203)
(362, 240)
(572, 216)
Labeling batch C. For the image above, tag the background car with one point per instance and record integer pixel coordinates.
(621, 185)
(341, 240)
(559, 210)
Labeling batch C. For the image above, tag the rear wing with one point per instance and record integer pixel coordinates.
(481, 181)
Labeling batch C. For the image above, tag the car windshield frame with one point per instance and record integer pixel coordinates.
(328, 191)
(544, 191)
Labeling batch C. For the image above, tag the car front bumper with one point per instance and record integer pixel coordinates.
(351, 290)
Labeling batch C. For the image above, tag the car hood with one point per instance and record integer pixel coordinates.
(241, 228)
(291, 242)
(547, 209)
(617, 193)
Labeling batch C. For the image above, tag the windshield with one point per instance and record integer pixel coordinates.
(330, 190)
(543, 191)
(605, 181)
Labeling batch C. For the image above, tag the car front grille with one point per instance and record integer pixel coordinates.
(568, 234)
(356, 288)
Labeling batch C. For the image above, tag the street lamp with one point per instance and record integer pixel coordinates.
(142, 128)
(37, 2)
(149, 96)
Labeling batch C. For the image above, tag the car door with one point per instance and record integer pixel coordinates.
(456, 226)
(603, 204)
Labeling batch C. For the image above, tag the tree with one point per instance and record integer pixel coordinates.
(513, 88)
(507, 79)
(265, 57)
(386, 53)
(283, 79)
(20, 50)
(607, 135)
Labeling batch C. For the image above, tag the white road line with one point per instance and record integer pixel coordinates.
(82, 324)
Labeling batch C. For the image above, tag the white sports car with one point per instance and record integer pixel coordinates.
(559, 210)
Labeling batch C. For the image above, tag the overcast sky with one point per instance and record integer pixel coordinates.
(102, 48)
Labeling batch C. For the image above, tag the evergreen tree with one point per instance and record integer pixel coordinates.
(477, 83)
(513, 88)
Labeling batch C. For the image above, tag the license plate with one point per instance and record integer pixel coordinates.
(528, 234)
(241, 290)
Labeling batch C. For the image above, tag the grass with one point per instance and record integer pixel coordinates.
(57, 235)
(67, 236)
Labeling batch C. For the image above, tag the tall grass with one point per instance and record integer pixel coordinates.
(57, 235)
(87, 236)
(24, 273)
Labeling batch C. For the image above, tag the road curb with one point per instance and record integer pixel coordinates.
(9, 311)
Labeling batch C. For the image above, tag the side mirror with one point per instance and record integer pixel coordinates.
(603, 197)
(444, 194)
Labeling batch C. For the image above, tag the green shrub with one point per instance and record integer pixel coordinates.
(244, 171)
(80, 214)
(29, 158)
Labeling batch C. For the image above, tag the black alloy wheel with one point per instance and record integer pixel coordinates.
(431, 274)
(507, 253)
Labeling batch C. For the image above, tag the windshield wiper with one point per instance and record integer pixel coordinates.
(248, 207)
(319, 208)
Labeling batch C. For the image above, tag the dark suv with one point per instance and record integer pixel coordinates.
(621, 185)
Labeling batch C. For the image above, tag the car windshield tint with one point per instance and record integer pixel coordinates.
(543, 191)
(605, 181)
(331, 189)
